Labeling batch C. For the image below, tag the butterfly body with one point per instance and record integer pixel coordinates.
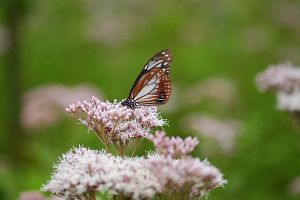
(130, 103)
(153, 85)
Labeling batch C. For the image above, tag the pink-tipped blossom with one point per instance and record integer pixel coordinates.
(284, 80)
(82, 171)
(279, 78)
(294, 186)
(185, 179)
(170, 173)
(35, 195)
(219, 89)
(105, 27)
(221, 131)
(174, 147)
(114, 123)
(31, 195)
(181, 176)
(43, 105)
(288, 101)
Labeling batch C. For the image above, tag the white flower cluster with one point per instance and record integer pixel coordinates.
(284, 79)
(216, 88)
(180, 175)
(279, 78)
(81, 171)
(171, 173)
(43, 106)
(223, 132)
(186, 178)
(113, 122)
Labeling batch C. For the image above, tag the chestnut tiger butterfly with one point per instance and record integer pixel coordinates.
(153, 85)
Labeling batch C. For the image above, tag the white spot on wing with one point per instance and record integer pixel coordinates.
(153, 64)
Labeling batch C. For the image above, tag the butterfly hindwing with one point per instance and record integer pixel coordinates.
(153, 85)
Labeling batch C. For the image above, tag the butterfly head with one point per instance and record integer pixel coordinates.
(131, 103)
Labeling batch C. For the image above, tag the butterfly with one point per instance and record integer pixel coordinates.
(153, 85)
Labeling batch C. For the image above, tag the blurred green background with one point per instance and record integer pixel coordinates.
(105, 43)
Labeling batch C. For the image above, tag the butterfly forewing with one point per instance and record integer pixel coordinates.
(153, 85)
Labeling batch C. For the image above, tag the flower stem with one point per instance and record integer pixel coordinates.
(135, 146)
(120, 150)
(92, 195)
(102, 140)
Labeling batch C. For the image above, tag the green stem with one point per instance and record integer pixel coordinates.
(135, 146)
(119, 148)
(92, 195)
(99, 134)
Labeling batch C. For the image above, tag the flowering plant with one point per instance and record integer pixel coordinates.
(168, 173)
(114, 123)
(284, 80)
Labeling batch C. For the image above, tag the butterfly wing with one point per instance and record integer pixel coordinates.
(153, 85)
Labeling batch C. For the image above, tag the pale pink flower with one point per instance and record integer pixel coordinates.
(294, 186)
(288, 101)
(279, 78)
(114, 123)
(186, 178)
(109, 29)
(284, 80)
(81, 171)
(181, 176)
(31, 195)
(35, 195)
(43, 106)
(174, 147)
(219, 89)
(171, 172)
(223, 132)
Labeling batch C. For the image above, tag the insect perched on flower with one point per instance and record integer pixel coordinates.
(153, 85)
